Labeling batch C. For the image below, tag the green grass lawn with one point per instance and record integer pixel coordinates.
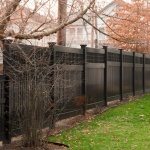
(125, 127)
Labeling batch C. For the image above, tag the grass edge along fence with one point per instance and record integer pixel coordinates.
(101, 75)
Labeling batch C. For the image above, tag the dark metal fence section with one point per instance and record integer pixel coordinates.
(83, 48)
(133, 74)
(113, 79)
(69, 83)
(6, 110)
(143, 79)
(147, 73)
(2, 102)
(52, 91)
(127, 73)
(105, 75)
(95, 77)
(121, 75)
(138, 73)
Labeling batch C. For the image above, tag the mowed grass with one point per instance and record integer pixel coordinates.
(126, 127)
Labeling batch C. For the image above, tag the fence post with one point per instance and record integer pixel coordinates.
(121, 75)
(143, 73)
(133, 77)
(83, 48)
(7, 138)
(6, 54)
(105, 74)
(53, 109)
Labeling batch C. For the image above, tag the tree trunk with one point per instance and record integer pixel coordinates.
(62, 14)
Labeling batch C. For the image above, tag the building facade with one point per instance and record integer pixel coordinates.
(81, 32)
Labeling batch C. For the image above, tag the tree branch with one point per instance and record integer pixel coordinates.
(123, 41)
(59, 27)
(6, 17)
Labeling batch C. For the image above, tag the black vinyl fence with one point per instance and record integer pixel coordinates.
(83, 79)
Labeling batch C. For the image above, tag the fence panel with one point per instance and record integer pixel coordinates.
(113, 77)
(138, 73)
(127, 74)
(94, 77)
(147, 73)
(2, 101)
(69, 77)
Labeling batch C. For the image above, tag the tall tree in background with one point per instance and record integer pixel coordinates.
(62, 16)
(130, 25)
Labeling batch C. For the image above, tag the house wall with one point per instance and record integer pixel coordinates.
(82, 33)
(101, 24)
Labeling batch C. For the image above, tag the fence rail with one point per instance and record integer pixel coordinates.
(88, 78)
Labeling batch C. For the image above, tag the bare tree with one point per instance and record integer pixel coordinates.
(37, 89)
(21, 15)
